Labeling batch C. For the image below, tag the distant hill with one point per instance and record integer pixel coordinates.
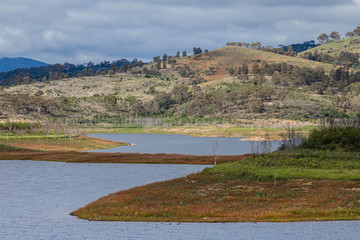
(9, 64)
(350, 44)
(228, 57)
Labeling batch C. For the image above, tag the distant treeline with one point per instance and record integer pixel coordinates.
(290, 50)
(300, 47)
(66, 70)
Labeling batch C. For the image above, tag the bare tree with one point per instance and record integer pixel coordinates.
(254, 148)
(215, 151)
(292, 138)
(266, 144)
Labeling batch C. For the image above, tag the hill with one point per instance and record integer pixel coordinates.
(226, 85)
(350, 44)
(234, 56)
(9, 64)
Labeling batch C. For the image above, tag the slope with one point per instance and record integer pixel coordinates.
(351, 44)
(233, 57)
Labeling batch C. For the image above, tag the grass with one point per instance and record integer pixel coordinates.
(224, 130)
(298, 186)
(335, 48)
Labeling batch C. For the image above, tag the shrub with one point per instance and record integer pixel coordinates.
(334, 137)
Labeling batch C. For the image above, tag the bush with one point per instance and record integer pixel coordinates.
(334, 137)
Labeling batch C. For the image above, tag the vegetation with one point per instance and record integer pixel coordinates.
(334, 138)
(289, 185)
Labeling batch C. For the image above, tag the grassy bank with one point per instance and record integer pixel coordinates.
(250, 133)
(58, 143)
(8, 152)
(299, 186)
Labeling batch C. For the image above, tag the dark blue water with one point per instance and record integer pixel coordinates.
(37, 197)
(159, 143)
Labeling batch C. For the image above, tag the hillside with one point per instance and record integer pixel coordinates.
(226, 84)
(9, 64)
(350, 44)
(233, 57)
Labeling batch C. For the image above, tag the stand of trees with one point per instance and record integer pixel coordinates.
(66, 70)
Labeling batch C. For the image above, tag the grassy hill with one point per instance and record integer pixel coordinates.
(234, 56)
(351, 44)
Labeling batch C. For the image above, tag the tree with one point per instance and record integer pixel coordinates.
(184, 54)
(231, 71)
(164, 66)
(255, 69)
(180, 93)
(350, 34)
(197, 50)
(335, 36)
(111, 73)
(348, 59)
(245, 69)
(215, 150)
(357, 31)
(158, 63)
(322, 38)
(178, 54)
(165, 57)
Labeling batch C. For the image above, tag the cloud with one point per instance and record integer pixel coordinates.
(81, 31)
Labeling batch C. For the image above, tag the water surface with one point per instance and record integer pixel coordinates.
(37, 197)
(182, 144)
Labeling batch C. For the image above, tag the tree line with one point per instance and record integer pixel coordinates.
(66, 70)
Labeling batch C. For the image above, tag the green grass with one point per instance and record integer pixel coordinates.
(335, 48)
(316, 165)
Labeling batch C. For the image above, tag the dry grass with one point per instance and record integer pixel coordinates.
(81, 143)
(233, 57)
(121, 84)
(13, 153)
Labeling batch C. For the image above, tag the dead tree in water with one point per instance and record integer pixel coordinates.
(215, 150)
(292, 138)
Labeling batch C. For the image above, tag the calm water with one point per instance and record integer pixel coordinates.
(158, 143)
(37, 197)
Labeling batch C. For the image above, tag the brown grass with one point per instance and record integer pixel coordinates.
(7, 153)
(206, 198)
(233, 57)
(82, 143)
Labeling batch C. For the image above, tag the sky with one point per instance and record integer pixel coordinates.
(80, 31)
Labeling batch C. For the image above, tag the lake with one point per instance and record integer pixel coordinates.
(182, 144)
(37, 197)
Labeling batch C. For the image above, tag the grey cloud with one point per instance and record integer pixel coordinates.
(80, 31)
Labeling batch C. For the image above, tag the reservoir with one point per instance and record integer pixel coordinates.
(182, 144)
(37, 197)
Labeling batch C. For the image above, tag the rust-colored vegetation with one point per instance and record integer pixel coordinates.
(14, 153)
(296, 184)
(204, 198)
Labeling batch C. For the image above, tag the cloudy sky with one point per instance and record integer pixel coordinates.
(80, 31)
